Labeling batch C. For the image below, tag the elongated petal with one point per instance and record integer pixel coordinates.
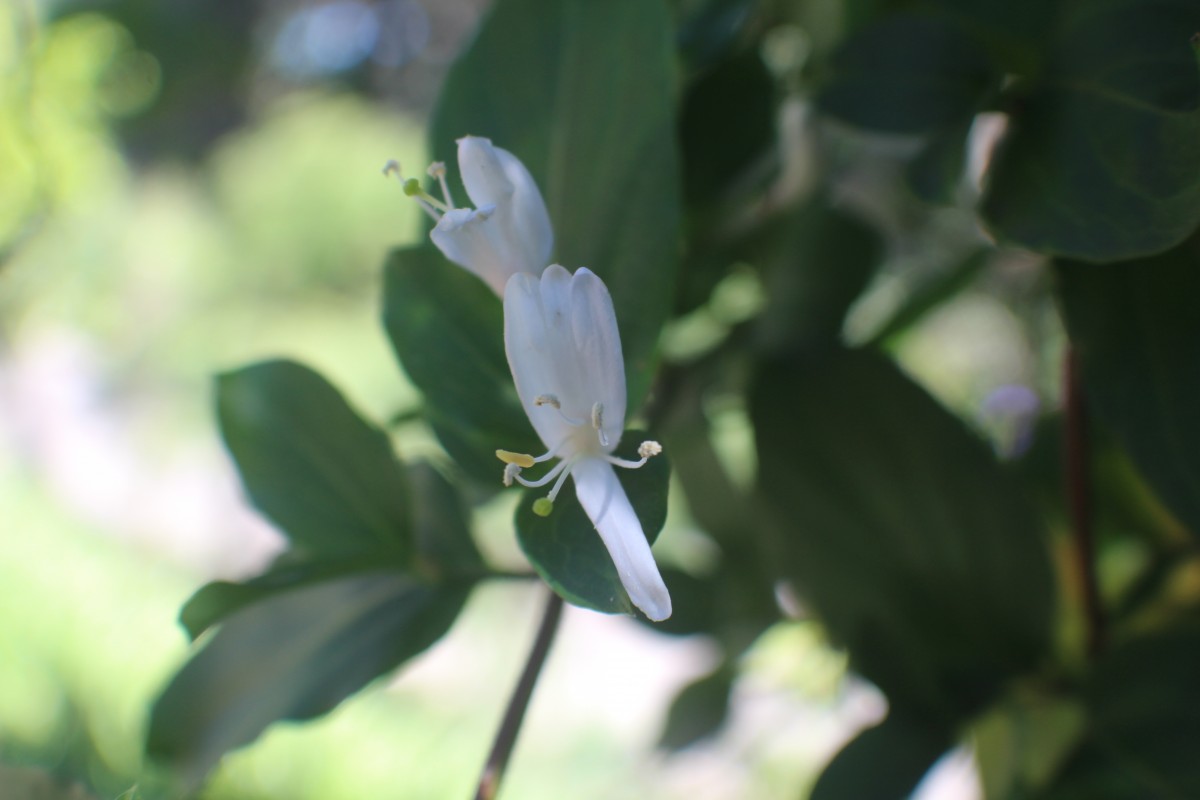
(598, 343)
(604, 500)
(495, 177)
(530, 355)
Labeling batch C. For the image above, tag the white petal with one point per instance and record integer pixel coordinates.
(494, 176)
(608, 507)
(472, 239)
(527, 345)
(598, 344)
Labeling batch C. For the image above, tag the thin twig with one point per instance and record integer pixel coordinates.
(510, 726)
(1077, 466)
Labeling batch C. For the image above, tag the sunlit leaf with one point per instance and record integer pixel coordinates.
(293, 656)
(326, 477)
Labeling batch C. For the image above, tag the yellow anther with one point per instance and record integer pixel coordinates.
(522, 460)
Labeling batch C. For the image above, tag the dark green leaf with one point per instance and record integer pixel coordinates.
(592, 117)
(441, 527)
(727, 122)
(937, 171)
(899, 527)
(699, 710)
(818, 260)
(1100, 162)
(1144, 721)
(708, 29)
(564, 547)
(1136, 328)
(447, 329)
(293, 656)
(907, 74)
(328, 479)
(885, 761)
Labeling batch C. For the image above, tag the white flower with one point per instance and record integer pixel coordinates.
(509, 229)
(560, 334)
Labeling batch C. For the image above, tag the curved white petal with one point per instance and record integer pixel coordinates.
(598, 343)
(472, 239)
(519, 225)
(528, 347)
(608, 507)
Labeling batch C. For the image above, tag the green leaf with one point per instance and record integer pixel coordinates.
(293, 656)
(592, 117)
(447, 329)
(936, 173)
(1100, 162)
(441, 526)
(699, 710)
(907, 74)
(917, 551)
(1137, 332)
(727, 123)
(817, 260)
(932, 292)
(564, 547)
(1143, 723)
(442, 537)
(887, 760)
(327, 478)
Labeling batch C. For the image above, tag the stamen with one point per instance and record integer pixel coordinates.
(558, 484)
(647, 450)
(412, 187)
(598, 423)
(519, 459)
(555, 471)
(438, 170)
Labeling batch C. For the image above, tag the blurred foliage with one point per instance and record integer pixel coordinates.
(789, 202)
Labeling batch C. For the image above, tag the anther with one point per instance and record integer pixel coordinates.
(649, 448)
(523, 460)
(437, 169)
(547, 400)
(511, 472)
(392, 166)
(598, 423)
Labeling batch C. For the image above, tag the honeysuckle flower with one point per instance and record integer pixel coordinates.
(560, 334)
(508, 231)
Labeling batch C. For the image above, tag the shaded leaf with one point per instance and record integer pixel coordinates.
(1100, 160)
(441, 527)
(326, 477)
(592, 117)
(564, 547)
(699, 710)
(293, 656)
(907, 74)
(887, 760)
(898, 526)
(1137, 332)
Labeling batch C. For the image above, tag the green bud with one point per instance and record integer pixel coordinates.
(543, 506)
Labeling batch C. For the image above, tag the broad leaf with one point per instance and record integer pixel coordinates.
(1143, 704)
(327, 478)
(592, 117)
(293, 656)
(1100, 162)
(898, 526)
(699, 710)
(1137, 331)
(564, 547)
(447, 329)
(907, 74)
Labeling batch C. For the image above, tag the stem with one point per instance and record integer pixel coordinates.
(510, 725)
(1079, 501)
